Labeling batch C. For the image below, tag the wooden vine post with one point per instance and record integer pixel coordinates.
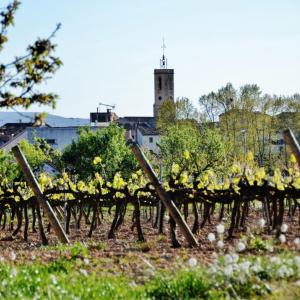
(170, 206)
(290, 140)
(44, 204)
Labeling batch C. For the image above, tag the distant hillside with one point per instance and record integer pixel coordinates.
(51, 120)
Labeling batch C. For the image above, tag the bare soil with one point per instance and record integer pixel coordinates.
(124, 255)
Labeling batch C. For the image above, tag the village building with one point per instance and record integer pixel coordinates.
(59, 132)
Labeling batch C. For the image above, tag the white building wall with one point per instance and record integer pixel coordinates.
(61, 136)
(148, 142)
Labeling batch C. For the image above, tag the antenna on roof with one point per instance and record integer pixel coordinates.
(163, 60)
(23, 115)
(107, 105)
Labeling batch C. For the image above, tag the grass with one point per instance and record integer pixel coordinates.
(59, 280)
(79, 277)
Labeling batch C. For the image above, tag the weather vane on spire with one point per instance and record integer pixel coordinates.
(163, 60)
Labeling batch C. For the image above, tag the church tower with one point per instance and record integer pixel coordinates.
(163, 83)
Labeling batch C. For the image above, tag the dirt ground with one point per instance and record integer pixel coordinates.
(124, 254)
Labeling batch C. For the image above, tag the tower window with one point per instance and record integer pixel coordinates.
(150, 139)
(159, 83)
(159, 98)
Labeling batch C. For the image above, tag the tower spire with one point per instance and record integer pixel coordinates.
(163, 60)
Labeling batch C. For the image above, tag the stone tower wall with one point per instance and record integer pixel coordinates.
(163, 87)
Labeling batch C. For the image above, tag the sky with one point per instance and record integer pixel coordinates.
(110, 48)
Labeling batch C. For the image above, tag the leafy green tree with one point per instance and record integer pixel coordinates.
(251, 121)
(186, 143)
(171, 112)
(53, 155)
(9, 168)
(104, 151)
(20, 77)
(34, 155)
(166, 114)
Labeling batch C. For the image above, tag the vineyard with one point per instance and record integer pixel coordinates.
(199, 197)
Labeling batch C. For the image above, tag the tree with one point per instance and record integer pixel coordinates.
(170, 112)
(20, 77)
(53, 155)
(34, 154)
(8, 167)
(199, 148)
(166, 114)
(250, 121)
(104, 151)
(10, 170)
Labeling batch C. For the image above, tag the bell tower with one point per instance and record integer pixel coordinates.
(163, 83)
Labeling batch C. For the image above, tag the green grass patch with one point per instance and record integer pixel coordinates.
(254, 277)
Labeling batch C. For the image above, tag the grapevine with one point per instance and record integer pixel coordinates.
(198, 196)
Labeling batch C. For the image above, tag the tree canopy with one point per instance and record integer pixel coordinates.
(20, 77)
(186, 143)
(103, 151)
(172, 111)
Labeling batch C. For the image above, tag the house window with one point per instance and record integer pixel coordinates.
(150, 139)
(51, 141)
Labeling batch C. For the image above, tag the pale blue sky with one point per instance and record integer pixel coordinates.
(110, 48)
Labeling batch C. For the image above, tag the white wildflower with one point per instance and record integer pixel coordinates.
(192, 262)
(245, 266)
(132, 284)
(53, 279)
(211, 237)
(213, 269)
(297, 260)
(282, 238)
(13, 272)
(12, 255)
(275, 260)
(256, 287)
(83, 272)
(297, 242)
(220, 229)
(235, 266)
(262, 223)
(256, 268)
(86, 261)
(240, 246)
(270, 248)
(284, 228)
(228, 270)
(220, 244)
(283, 271)
(235, 257)
(228, 259)
(289, 262)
